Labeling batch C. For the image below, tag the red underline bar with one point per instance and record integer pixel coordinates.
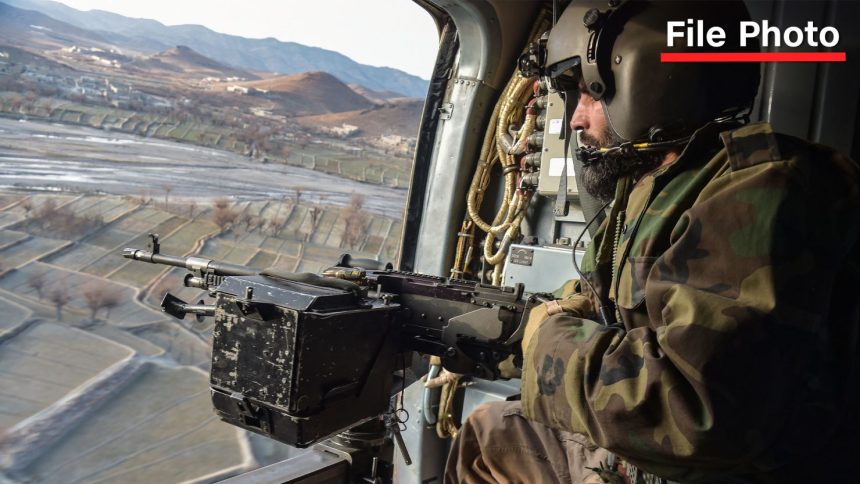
(752, 57)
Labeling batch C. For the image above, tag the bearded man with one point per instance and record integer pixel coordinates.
(714, 337)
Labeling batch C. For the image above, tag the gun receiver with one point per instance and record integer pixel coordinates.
(298, 357)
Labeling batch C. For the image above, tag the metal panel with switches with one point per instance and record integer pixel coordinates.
(552, 154)
(540, 268)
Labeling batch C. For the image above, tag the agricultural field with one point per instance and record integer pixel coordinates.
(364, 166)
(97, 384)
(13, 314)
(86, 351)
(157, 428)
(46, 361)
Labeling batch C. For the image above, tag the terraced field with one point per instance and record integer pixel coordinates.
(376, 169)
(158, 428)
(9, 237)
(60, 364)
(45, 362)
(128, 312)
(12, 314)
(30, 249)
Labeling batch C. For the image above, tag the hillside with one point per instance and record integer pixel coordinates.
(398, 118)
(32, 29)
(23, 58)
(265, 55)
(379, 97)
(183, 59)
(311, 93)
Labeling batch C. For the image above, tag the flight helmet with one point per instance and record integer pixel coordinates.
(613, 48)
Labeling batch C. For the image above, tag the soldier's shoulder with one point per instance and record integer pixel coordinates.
(758, 143)
(751, 145)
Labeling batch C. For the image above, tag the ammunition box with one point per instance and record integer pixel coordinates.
(297, 362)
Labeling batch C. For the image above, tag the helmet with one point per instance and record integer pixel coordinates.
(613, 48)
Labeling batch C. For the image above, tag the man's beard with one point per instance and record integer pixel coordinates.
(600, 177)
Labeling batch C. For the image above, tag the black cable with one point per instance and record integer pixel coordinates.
(403, 381)
(560, 207)
(401, 415)
(573, 252)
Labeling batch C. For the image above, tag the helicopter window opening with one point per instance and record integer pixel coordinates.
(265, 134)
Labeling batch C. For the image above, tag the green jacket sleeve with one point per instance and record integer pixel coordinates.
(741, 356)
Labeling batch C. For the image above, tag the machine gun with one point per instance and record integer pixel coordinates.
(299, 357)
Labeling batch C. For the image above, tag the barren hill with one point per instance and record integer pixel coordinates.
(397, 118)
(311, 93)
(22, 58)
(34, 30)
(258, 55)
(183, 59)
(379, 97)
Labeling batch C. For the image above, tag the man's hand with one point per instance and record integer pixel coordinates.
(577, 305)
(444, 377)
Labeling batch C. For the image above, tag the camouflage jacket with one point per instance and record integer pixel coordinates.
(734, 273)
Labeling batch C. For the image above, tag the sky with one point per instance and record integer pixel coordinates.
(392, 33)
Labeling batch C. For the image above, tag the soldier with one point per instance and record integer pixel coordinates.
(714, 337)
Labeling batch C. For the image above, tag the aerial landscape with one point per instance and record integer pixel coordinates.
(113, 128)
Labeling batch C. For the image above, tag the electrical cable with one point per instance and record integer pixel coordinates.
(500, 146)
(576, 265)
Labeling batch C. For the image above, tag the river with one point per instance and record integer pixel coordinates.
(43, 156)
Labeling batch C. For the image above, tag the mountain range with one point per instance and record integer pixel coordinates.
(270, 55)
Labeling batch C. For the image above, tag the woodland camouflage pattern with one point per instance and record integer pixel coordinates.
(738, 300)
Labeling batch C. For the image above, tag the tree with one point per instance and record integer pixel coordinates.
(356, 220)
(246, 219)
(276, 225)
(111, 299)
(17, 102)
(101, 295)
(27, 205)
(63, 221)
(168, 187)
(223, 218)
(37, 281)
(221, 203)
(224, 215)
(59, 295)
(256, 223)
(315, 212)
(46, 212)
(277, 222)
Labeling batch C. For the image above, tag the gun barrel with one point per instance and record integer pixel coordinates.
(191, 263)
